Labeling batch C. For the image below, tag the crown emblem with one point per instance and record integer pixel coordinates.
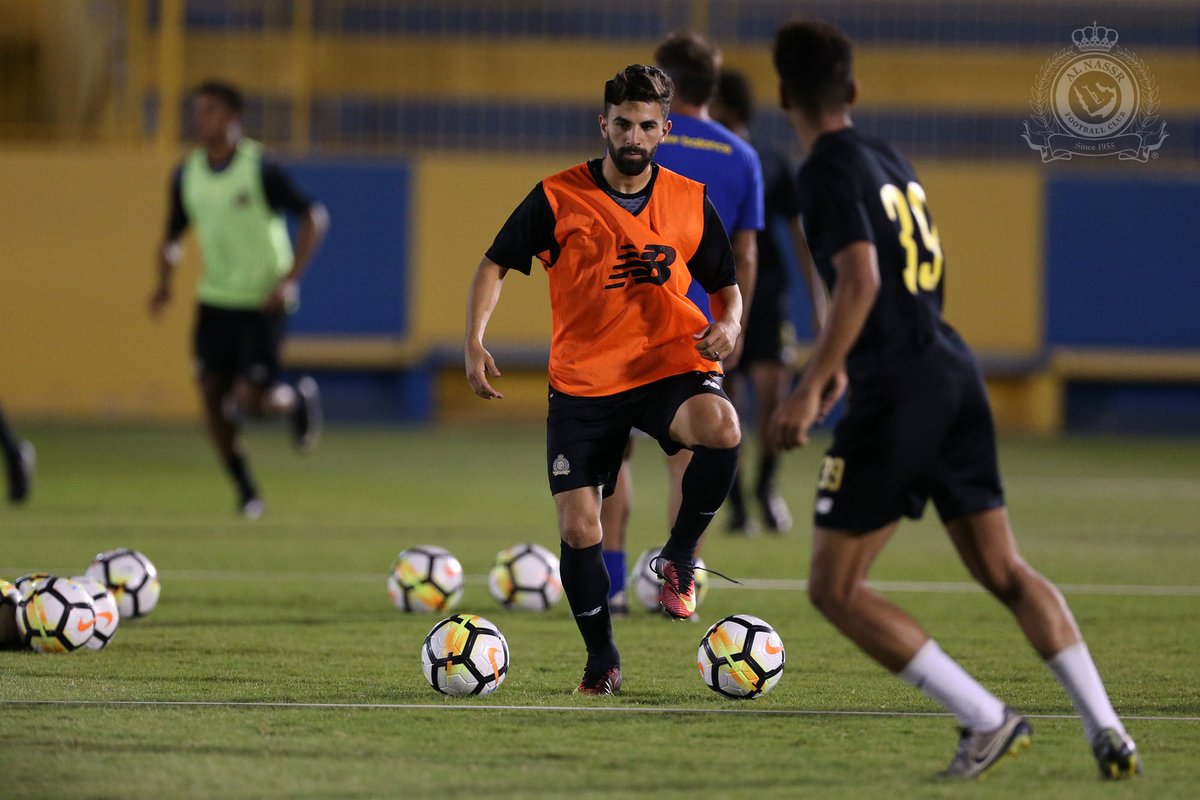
(1094, 37)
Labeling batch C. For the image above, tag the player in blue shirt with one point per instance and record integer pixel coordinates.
(702, 149)
(764, 366)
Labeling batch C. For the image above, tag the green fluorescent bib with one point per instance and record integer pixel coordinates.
(244, 243)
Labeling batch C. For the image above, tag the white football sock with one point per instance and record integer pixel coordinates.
(949, 685)
(1077, 674)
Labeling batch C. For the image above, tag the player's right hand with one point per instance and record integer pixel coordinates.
(793, 418)
(158, 301)
(480, 365)
(832, 393)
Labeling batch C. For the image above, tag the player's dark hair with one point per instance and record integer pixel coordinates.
(734, 92)
(693, 62)
(815, 65)
(640, 84)
(229, 95)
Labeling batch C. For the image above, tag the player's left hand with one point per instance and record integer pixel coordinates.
(718, 340)
(283, 297)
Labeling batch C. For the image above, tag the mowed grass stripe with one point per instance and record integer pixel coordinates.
(757, 584)
(1019, 487)
(774, 712)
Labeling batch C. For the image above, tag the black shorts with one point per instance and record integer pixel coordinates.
(763, 340)
(918, 429)
(586, 436)
(240, 343)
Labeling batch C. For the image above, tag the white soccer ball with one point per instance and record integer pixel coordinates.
(108, 613)
(425, 578)
(741, 657)
(56, 617)
(464, 655)
(525, 576)
(9, 598)
(24, 584)
(645, 582)
(132, 579)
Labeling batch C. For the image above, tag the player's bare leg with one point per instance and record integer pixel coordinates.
(986, 545)
(614, 522)
(737, 519)
(214, 391)
(217, 392)
(707, 425)
(585, 582)
(837, 586)
(841, 562)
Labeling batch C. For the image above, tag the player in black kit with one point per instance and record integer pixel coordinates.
(917, 427)
(765, 364)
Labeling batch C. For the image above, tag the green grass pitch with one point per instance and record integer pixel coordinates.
(292, 610)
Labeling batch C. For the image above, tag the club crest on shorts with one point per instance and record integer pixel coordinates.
(560, 466)
(1095, 99)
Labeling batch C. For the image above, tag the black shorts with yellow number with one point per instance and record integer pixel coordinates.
(917, 429)
(240, 343)
(586, 436)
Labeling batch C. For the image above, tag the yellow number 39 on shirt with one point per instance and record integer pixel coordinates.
(922, 270)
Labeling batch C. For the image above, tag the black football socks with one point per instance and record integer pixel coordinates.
(706, 483)
(236, 464)
(768, 465)
(9, 442)
(737, 504)
(585, 582)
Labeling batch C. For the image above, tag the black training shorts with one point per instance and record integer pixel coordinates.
(586, 436)
(240, 343)
(766, 327)
(763, 342)
(917, 428)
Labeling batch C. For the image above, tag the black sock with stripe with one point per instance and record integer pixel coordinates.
(705, 485)
(585, 582)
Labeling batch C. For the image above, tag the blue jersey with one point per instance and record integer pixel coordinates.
(710, 153)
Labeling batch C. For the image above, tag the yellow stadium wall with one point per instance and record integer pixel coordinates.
(460, 203)
(897, 76)
(79, 233)
(989, 219)
(81, 227)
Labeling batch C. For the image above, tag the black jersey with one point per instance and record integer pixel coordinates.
(855, 188)
(780, 201)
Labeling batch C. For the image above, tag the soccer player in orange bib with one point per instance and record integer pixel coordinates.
(621, 238)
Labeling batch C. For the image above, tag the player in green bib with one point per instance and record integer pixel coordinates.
(236, 201)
